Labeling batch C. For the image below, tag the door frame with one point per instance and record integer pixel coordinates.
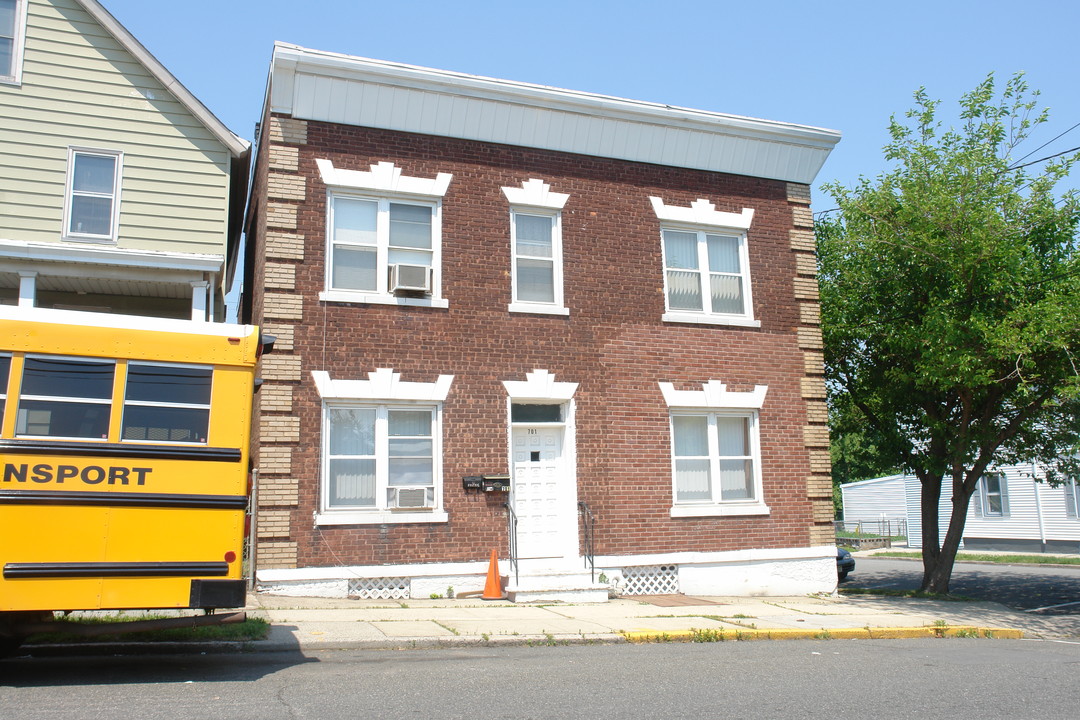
(570, 546)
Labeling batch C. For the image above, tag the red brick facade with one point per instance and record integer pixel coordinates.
(613, 344)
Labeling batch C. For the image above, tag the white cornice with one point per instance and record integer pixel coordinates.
(66, 252)
(714, 394)
(702, 212)
(237, 146)
(382, 384)
(535, 193)
(539, 385)
(383, 177)
(560, 119)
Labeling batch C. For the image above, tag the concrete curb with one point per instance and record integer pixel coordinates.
(867, 633)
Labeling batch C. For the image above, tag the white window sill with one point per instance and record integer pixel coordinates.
(379, 517)
(377, 299)
(704, 319)
(519, 307)
(89, 239)
(678, 511)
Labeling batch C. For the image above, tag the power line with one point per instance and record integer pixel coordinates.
(1048, 142)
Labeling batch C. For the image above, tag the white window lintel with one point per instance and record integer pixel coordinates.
(702, 212)
(714, 394)
(383, 177)
(536, 193)
(540, 385)
(382, 384)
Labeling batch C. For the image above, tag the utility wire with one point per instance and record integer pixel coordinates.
(1048, 142)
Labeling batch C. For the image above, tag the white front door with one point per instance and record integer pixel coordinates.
(543, 495)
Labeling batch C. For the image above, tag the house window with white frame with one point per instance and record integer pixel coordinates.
(1072, 498)
(715, 457)
(715, 451)
(384, 236)
(381, 449)
(370, 236)
(537, 260)
(379, 457)
(92, 204)
(992, 496)
(706, 264)
(12, 38)
(536, 248)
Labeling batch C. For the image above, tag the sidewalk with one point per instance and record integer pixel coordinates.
(300, 623)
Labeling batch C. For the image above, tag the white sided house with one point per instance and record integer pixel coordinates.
(119, 191)
(1010, 511)
(876, 505)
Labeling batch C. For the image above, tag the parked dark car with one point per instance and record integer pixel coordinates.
(844, 563)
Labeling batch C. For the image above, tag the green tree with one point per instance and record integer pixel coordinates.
(950, 290)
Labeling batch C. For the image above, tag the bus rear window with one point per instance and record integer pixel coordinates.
(164, 403)
(65, 398)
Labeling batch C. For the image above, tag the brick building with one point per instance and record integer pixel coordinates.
(608, 306)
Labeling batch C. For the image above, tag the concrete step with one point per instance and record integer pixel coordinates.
(555, 586)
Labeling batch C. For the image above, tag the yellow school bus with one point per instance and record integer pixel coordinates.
(123, 462)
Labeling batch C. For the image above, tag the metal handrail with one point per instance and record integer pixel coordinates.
(511, 533)
(588, 521)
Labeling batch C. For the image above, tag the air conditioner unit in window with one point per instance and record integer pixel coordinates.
(412, 497)
(410, 278)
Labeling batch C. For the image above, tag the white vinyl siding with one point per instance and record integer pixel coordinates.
(81, 88)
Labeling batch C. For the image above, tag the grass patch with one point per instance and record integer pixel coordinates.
(249, 630)
(904, 593)
(989, 557)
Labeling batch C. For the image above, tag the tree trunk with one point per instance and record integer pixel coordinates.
(938, 565)
(930, 496)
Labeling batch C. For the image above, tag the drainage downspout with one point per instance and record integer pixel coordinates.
(1039, 511)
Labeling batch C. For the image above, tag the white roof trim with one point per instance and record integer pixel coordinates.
(236, 145)
(124, 322)
(540, 385)
(702, 212)
(331, 87)
(536, 193)
(382, 384)
(383, 177)
(714, 394)
(69, 252)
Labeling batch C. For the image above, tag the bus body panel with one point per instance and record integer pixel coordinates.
(111, 523)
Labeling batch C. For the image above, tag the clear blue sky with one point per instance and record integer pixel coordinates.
(840, 64)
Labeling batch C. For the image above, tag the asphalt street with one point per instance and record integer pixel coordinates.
(1048, 590)
(928, 679)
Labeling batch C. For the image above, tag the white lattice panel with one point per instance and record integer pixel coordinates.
(650, 580)
(383, 588)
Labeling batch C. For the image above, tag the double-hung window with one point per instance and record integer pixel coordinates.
(706, 264)
(992, 497)
(705, 273)
(373, 240)
(715, 451)
(1072, 498)
(384, 236)
(715, 458)
(12, 37)
(536, 248)
(92, 203)
(380, 457)
(381, 449)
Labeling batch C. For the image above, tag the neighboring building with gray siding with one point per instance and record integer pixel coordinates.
(119, 191)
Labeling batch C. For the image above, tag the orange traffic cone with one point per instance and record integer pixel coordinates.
(493, 587)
